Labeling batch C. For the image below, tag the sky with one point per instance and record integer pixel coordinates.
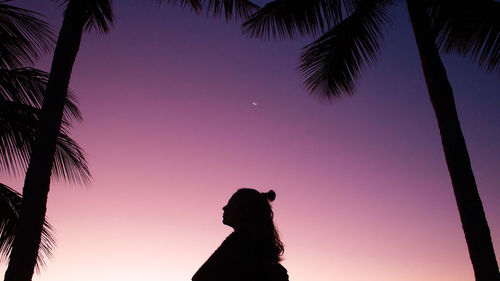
(180, 110)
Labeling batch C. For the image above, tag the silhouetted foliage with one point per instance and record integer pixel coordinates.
(10, 205)
(351, 35)
(21, 96)
(23, 39)
(79, 16)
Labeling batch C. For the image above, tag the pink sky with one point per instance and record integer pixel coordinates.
(170, 130)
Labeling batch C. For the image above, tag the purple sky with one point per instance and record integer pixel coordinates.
(363, 192)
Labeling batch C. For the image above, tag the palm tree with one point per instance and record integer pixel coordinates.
(351, 35)
(17, 127)
(79, 16)
(24, 38)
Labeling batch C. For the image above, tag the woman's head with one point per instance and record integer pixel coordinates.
(250, 210)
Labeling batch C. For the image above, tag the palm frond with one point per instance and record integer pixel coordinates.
(70, 162)
(230, 9)
(24, 37)
(98, 13)
(237, 9)
(17, 134)
(23, 85)
(331, 64)
(27, 86)
(10, 206)
(196, 5)
(468, 28)
(290, 18)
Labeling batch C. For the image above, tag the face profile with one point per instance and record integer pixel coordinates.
(231, 213)
(253, 251)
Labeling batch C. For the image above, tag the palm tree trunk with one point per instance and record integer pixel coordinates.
(475, 226)
(36, 185)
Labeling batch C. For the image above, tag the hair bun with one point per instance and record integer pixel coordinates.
(270, 195)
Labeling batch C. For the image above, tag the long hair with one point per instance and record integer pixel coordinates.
(259, 219)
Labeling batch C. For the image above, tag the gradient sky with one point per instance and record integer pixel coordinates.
(363, 192)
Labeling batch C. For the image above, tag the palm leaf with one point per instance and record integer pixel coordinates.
(70, 162)
(17, 130)
(10, 206)
(23, 85)
(17, 134)
(237, 9)
(332, 63)
(24, 37)
(98, 16)
(21, 95)
(231, 9)
(196, 5)
(291, 18)
(470, 29)
(27, 86)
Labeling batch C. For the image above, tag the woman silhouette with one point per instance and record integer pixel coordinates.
(253, 251)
